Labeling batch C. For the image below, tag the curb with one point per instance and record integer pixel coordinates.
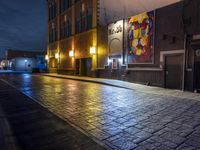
(123, 87)
(85, 80)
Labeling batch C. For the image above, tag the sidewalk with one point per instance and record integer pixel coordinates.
(131, 86)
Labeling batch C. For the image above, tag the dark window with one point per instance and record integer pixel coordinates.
(65, 4)
(52, 11)
(76, 1)
(84, 21)
(89, 19)
(69, 27)
(53, 35)
(66, 28)
(78, 25)
(49, 13)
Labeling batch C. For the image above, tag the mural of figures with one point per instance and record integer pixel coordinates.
(141, 38)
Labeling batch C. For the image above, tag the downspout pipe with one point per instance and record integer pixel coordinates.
(184, 62)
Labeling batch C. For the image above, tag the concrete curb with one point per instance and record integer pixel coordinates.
(134, 86)
(85, 80)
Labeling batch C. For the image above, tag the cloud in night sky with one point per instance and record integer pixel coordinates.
(23, 25)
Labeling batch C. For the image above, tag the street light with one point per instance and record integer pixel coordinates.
(57, 56)
(92, 50)
(71, 53)
(46, 57)
(25, 61)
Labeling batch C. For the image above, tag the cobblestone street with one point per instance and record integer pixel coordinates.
(117, 117)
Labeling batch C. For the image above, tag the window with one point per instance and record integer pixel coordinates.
(65, 4)
(78, 25)
(69, 27)
(84, 21)
(77, 1)
(53, 34)
(89, 19)
(52, 11)
(66, 27)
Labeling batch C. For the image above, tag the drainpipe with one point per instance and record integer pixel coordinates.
(184, 61)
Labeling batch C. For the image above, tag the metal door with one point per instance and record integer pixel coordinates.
(77, 67)
(197, 71)
(174, 71)
(86, 65)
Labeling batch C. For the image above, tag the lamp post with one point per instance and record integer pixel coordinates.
(25, 62)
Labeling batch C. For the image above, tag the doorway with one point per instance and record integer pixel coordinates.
(86, 66)
(174, 71)
(77, 71)
(197, 71)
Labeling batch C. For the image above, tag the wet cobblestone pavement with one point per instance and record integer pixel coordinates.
(119, 118)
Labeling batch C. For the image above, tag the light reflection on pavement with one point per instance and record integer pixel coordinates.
(120, 118)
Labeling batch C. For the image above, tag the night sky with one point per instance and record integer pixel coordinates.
(23, 25)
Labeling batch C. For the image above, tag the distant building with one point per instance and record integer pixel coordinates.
(26, 60)
(23, 64)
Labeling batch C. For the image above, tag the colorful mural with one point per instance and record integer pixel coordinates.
(141, 38)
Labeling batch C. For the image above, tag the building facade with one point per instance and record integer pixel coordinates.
(160, 47)
(77, 33)
(72, 35)
(153, 43)
(30, 61)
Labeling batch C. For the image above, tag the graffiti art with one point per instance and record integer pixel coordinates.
(141, 38)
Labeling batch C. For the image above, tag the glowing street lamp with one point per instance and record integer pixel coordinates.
(57, 56)
(92, 50)
(71, 53)
(46, 57)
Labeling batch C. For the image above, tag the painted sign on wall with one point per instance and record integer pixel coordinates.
(115, 38)
(140, 40)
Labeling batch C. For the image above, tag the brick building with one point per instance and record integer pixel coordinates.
(77, 32)
(80, 32)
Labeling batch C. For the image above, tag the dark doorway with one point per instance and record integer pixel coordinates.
(53, 62)
(86, 65)
(174, 71)
(197, 71)
(77, 67)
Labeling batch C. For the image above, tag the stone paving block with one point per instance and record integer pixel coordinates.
(132, 130)
(101, 135)
(139, 126)
(186, 147)
(173, 137)
(129, 123)
(193, 143)
(150, 145)
(140, 148)
(124, 144)
(173, 125)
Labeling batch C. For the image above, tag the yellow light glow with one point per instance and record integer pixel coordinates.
(92, 50)
(56, 55)
(71, 53)
(46, 57)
